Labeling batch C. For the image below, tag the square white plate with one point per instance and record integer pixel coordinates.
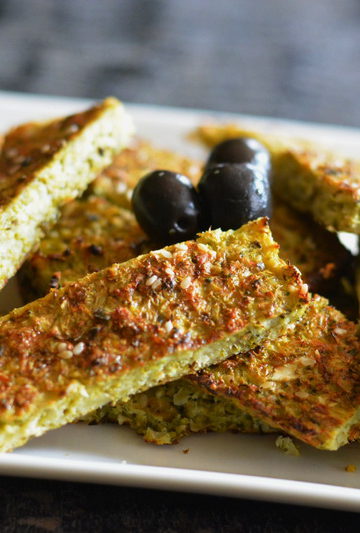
(232, 465)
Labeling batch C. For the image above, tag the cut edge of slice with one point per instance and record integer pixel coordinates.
(62, 177)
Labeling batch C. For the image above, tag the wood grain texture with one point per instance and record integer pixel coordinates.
(47, 506)
(271, 57)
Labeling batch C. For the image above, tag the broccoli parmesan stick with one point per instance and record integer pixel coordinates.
(42, 166)
(306, 382)
(135, 325)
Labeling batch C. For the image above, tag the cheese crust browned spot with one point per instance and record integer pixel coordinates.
(305, 382)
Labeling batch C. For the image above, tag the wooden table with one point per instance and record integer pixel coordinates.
(272, 57)
(34, 505)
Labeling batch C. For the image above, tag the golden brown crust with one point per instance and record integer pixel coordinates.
(91, 234)
(29, 147)
(43, 166)
(183, 298)
(305, 382)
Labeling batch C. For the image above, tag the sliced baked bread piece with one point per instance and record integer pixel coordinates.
(42, 166)
(306, 382)
(135, 325)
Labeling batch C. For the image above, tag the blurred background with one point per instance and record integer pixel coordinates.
(286, 58)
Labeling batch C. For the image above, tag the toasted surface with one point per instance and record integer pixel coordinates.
(167, 413)
(42, 166)
(311, 180)
(306, 382)
(316, 252)
(90, 235)
(118, 180)
(141, 323)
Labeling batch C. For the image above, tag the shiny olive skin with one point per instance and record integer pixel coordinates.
(167, 207)
(241, 150)
(234, 194)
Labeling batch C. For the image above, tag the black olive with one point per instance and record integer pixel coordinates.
(234, 194)
(167, 206)
(241, 150)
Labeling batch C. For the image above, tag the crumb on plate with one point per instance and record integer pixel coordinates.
(287, 445)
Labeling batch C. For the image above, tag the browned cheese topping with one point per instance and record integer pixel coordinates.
(92, 234)
(305, 382)
(28, 147)
(180, 298)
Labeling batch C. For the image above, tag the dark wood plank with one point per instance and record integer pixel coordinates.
(34, 505)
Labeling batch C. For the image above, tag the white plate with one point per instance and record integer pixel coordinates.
(232, 465)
